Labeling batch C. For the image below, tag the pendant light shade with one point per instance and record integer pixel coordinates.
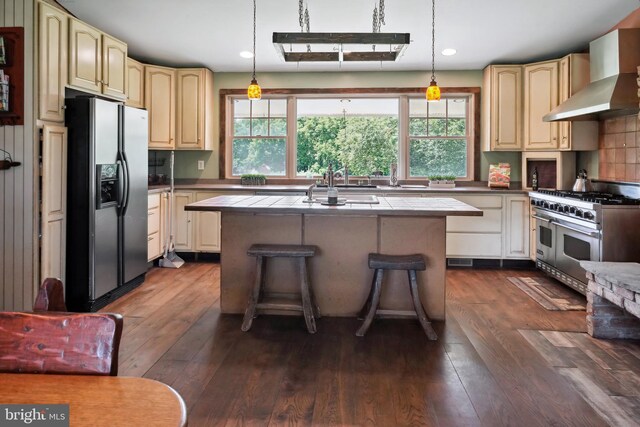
(433, 91)
(253, 91)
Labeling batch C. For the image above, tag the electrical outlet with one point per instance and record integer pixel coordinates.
(200, 165)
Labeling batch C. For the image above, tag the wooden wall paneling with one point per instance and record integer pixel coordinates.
(18, 233)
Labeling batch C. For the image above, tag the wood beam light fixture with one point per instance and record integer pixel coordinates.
(253, 91)
(307, 46)
(433, 91)
(338, 43)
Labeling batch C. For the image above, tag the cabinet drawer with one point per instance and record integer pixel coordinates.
(154, 200)
(489, 222)
(154, 248)
(474, 245)
(153, 224)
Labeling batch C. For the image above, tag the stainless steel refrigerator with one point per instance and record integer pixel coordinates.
(107, 201)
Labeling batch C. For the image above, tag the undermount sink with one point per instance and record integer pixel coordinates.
(349, 186)
(364, 199)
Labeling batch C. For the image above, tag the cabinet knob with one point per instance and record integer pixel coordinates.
(554, 138)
(496, 139)
(564, 138)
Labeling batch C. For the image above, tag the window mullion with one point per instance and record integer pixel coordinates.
(291, 159)
(403, 137)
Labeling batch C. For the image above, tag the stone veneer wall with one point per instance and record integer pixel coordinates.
(619, 149)
(612, 311)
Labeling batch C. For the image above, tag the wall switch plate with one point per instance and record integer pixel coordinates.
(200, 165)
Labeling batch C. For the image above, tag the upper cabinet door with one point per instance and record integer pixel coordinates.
(135, 84)
(114, 67)
(160, 102)
(540, 97)
(190, 109)
(52, 62)
(564, 92)
(506, 108)
(85, 56)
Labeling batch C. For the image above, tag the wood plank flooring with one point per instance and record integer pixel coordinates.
(501, 360)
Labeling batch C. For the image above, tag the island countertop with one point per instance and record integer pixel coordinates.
(394, 206)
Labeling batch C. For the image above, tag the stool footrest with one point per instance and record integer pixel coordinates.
(279, 304)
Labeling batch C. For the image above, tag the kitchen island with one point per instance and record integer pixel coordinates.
(344, 235)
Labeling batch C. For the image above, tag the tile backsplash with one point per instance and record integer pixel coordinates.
(619, 149)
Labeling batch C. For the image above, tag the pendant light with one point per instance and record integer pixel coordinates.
(433, 91)
(253, 91)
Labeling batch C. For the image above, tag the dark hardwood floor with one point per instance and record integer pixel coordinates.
(494, 363)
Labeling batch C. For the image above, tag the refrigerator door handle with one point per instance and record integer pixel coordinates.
(120, 183)
(127, 185)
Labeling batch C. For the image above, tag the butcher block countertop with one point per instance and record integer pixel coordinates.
(398, 206)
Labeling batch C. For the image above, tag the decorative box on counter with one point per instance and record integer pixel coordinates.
(500, 175)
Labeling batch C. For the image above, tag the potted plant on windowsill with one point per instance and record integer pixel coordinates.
(253, 179)
(442, 181)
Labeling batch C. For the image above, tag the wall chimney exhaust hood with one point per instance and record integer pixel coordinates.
(613, 91)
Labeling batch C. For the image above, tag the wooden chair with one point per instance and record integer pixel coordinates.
(60, 343)
(50, 296)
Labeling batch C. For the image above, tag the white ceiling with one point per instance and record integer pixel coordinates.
(211, 33)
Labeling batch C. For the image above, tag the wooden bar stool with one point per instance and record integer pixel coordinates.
(308, 306)
(410, 263)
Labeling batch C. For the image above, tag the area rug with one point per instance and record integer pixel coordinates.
(549, 293)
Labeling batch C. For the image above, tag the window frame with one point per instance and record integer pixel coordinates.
(468, 137)
(403, 94)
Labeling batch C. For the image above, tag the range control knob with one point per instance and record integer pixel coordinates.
(572, 210)
(578, 213)
(566, 209)
(588, 215)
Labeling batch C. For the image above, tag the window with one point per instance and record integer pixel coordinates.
(438, 137)
(296, 134)
(259, 137)
(360, 133)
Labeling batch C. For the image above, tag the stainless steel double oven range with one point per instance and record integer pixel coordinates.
(602, 225)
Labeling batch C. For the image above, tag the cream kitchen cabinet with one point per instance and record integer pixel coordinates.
(516, 234)
(477, 237)
(135, 84)
(154, 225)
(501, 233)
(97, 61)
(540, 97)
(207, 226)
(159, 99)
(502, 108)
(574, 76)
(52, 62)
(54, 202)
(194, 120)
(114, 67)
(182, 221)
(85, 56)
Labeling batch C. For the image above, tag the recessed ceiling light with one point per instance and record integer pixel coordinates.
(449, 52)
(246, 54)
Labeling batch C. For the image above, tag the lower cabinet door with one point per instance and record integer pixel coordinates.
(182, 221)
(207, 226)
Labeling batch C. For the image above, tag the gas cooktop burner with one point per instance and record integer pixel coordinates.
(593, 197)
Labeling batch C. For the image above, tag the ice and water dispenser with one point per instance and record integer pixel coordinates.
(107, 194)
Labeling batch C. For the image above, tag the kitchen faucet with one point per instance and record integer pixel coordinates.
(346, 175)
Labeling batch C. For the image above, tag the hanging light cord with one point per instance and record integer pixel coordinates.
(433, 39)
(254, 40)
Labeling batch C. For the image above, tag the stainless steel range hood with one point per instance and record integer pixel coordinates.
(613, 91)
